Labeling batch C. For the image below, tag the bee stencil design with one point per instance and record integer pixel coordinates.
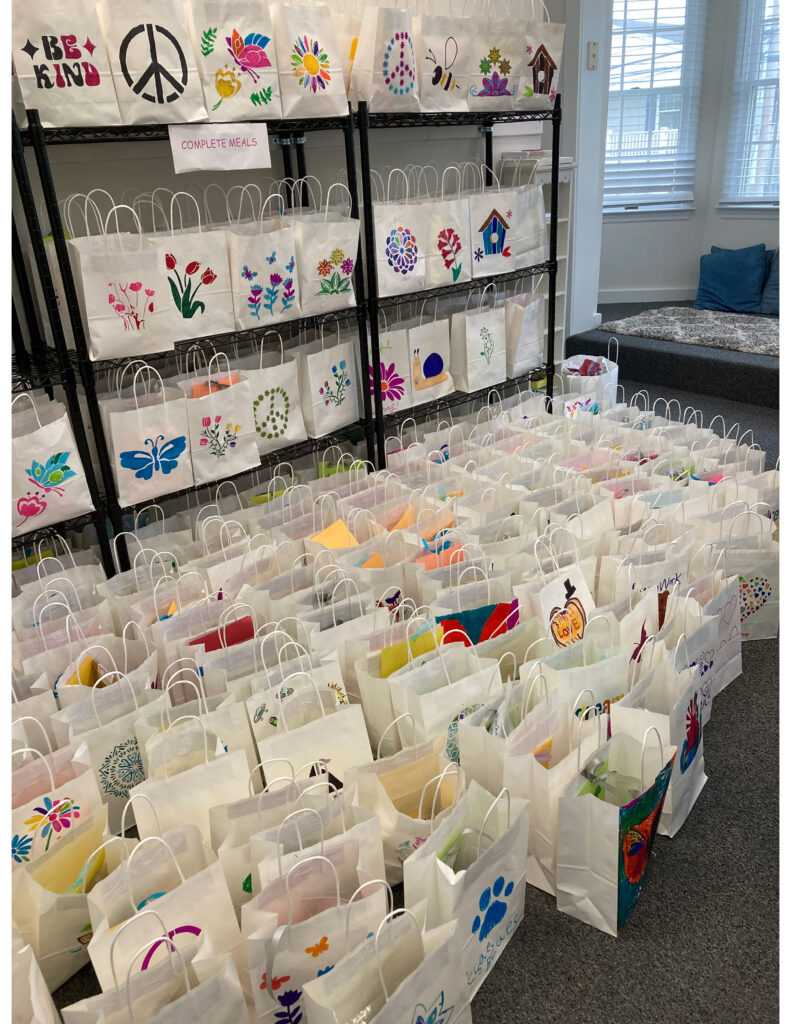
(442, 75)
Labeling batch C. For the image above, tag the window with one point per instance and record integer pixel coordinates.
(652, 118)
(752, 174)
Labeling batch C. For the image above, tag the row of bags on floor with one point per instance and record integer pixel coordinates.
(503, 618)
(233, 60)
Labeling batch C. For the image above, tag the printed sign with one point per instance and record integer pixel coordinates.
(219, 147)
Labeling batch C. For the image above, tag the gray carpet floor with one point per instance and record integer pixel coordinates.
(702, 944)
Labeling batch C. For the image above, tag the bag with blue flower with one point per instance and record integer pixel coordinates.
(328, 385)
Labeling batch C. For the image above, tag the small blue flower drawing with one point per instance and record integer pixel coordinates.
(20, 848)
(437, 1013)
(493, 911)
(324, 970)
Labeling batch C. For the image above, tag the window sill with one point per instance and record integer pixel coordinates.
(754, 212)
(668, 213)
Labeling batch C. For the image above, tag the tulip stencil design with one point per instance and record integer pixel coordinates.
(184, 292)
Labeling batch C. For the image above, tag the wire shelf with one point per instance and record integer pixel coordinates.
(464, 286)
(45, 370)
(467, 117)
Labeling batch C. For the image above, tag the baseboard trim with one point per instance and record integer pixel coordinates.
(646, 295)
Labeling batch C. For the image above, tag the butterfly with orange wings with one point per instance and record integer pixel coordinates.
(321, 947)
(248, 52)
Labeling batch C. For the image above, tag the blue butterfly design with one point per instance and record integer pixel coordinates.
(52, 474)
(271, 259)
(163, 459)
(290, 265)
(248, 274)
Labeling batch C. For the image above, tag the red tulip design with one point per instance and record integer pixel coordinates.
(183, 291)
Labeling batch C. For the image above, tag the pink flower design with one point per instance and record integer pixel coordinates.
(347, 266)
(206, 421)
(111, 299)
(119, 307)
(392, 383)
(149, 292)
(135, 286)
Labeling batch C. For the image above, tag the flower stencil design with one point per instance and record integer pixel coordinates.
(401, 250)
(184, 292)
(53, 818)
(392, 383)
(21, 847)
(449, 245)
(495, 70)
(122, 768)
(129, 307)
(335, 393)
(488, 344)
(335, 281)
(30, 505)
(310, 64)
(218, 442)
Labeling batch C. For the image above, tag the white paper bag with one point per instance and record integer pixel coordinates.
(429, 350)
(477, 348)
(384, 72)
(277, 406)
(327, 385)
(326, 256)
(494, 65)
(442, 45)
(524, 332)
(309, 62)
(263, 276)
(541, 65)
(402, 242)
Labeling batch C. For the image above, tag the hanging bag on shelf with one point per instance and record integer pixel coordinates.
(442, 46)
(48, 52)
(477, 346)
(153, 64)
(221, 426)
(524, 332)
(116, 277)
(429, 353)
(309, 62)
(193, 269)
(263, 271)
(149, 441)
(401, 243)
(542, 52)
(48, 481)
(494, 64)
(274, 387)
(448, 254)
(236, 55)
(384, 72)
(395, 367)
(328, 385)
(326, 246)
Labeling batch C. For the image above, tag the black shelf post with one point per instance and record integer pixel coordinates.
(373, 287)
(75, 318)
(64, 360)
(553, 245)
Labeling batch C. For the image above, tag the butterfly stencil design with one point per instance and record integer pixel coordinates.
(248, 52)
(52, 474)
(321, 947)
(161, 458)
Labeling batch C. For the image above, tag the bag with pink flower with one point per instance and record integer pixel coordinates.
(47, 478)
(221, 425)
(119, 288)
(326, 244)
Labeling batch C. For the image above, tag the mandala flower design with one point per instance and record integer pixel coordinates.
(401, 250)
(505, 66)
(495, 86)
(485, 66)
(310, 64)
(336, 257)
(391, 381)
(20, 848)
(347, 266)
(122, 768)
(325, 268)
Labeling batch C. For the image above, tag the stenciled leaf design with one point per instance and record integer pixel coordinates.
(207, 40)
(261, 98)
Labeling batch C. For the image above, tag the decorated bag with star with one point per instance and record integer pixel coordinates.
(48, 481)
(493, 67)
(542, 52)
(61, 63)
(236, 56)
(384, 72)
(309, 64)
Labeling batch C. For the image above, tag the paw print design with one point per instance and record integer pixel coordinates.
(493, 910)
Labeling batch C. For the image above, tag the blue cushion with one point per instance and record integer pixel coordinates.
(769, 255)
(770, 296)
(731, 280)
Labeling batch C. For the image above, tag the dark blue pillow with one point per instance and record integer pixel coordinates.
(770, 296)
(731, 280)
(769, 255)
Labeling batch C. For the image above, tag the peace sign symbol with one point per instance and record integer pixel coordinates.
(273, 421)
(163, 79)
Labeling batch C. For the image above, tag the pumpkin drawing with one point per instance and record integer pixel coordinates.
(429, 372)
(567, 624)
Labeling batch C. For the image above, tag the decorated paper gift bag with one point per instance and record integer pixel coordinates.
(442, 45)
(429, 353)
(263, 275)
(236, 55)
(152, 60)
(477, 347)
(309, 62)
(149, 441)
(401, 243)
(66, 79)
(494, 64)
(395, 369)
(274, 387)
(193, 269)
(524, 332)
(47, 478)
(542, 52)
(326, 245)
(608, 816)
(384, 72)
(327, 385)
(448, 255)
(221, 427)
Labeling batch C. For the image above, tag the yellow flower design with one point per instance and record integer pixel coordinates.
(495, 55)
(336, 256)
(227, 84)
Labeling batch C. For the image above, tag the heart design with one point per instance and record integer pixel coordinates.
(753, 594)
(728, 611)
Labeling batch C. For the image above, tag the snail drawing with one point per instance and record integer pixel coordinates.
(429, 372)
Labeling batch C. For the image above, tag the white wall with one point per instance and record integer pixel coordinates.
(646, 260)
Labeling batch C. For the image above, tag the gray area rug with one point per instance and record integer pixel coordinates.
(742, 332)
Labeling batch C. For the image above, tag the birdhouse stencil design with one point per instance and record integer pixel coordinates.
(544, 69)
(494, 230)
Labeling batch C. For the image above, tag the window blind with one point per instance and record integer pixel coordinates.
(752, 172)
(652, 118)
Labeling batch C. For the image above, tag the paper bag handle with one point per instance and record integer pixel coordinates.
(651, 728)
